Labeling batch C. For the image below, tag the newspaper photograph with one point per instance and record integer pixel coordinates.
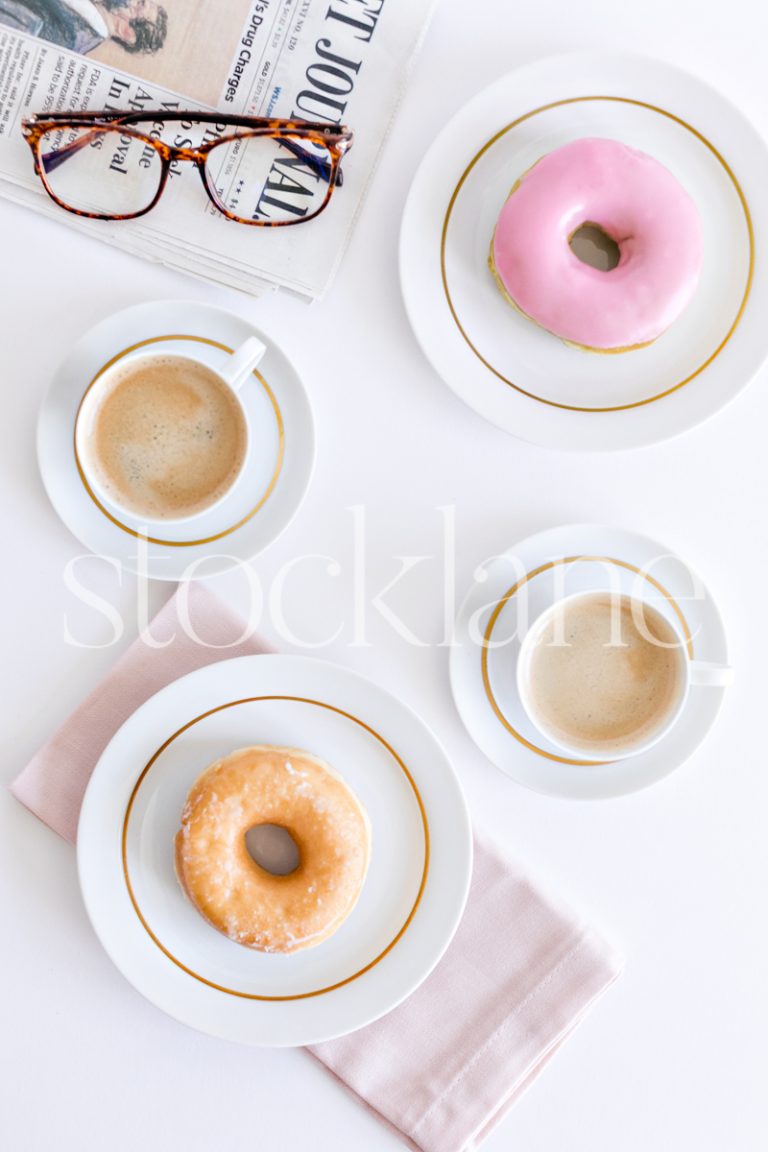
(339, 62)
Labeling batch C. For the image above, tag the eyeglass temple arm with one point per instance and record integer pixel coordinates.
(322, 168)
(52, 160)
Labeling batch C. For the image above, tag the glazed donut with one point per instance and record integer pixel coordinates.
(298, 792)
(633, 199)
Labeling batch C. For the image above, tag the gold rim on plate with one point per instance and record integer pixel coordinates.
(233, 527)
(512, 592)
(747, 218)
(234, 991)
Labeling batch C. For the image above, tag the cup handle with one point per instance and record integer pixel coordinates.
(708, 675)
(243, 361)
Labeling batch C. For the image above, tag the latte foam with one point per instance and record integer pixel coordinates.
(605, 674)
(168, 438)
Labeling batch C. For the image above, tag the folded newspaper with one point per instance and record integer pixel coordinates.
(336, 61)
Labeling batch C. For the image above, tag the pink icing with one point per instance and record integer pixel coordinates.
(637, 202)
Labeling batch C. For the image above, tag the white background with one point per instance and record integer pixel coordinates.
(671, 1058)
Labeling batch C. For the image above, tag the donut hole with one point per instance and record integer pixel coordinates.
(273, 848)
(593, 246)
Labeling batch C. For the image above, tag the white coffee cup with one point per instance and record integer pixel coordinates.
(692, 674)
(239, 368)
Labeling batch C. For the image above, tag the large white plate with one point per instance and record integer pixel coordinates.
(276, 473)
(511, 371)
(413, 896)
(497, 611)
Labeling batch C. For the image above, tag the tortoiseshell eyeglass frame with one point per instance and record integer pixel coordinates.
(336, 140)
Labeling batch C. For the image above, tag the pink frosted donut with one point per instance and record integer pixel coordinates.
(638, 203)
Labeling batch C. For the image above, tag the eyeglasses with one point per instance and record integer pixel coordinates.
(257, 171)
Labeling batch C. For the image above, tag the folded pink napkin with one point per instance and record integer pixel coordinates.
(53, 783)
(520, 973)
(444, 1067)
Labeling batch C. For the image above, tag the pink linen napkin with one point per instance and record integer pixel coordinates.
(443, 1068)
(53, 783)
(519, 975)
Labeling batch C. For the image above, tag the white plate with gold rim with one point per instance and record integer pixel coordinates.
(496, 613)
(276, 473)
(412, 898)
(502, 364)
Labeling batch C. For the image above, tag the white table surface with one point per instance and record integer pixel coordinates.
(671, 1058)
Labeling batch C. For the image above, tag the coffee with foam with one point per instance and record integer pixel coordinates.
(167, 439)
(605, 674)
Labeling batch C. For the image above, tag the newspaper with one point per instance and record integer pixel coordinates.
(339, 61)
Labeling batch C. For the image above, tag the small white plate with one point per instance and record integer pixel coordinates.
(507, 368)
(495, 614)
(413, 896)
(277, 471)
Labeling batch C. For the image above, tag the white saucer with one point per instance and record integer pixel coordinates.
(486, 642)
(277, 471)
(413, 896)
(500, 363)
